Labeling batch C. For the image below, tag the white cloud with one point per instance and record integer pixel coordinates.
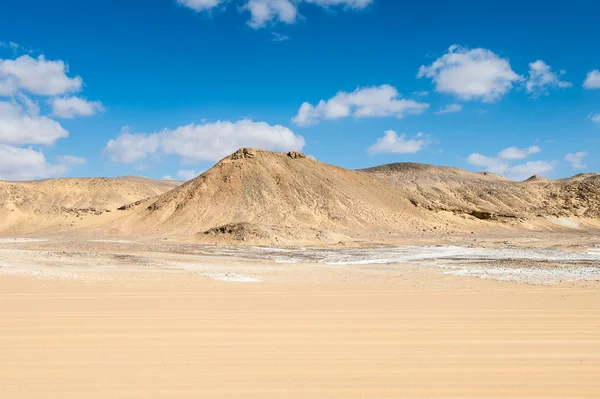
(592, 80)
(12, 45)
(278, 37)
(70, 107)
(203, 142)
(25, 126)
(594, 117)
(477, 74)
(512, 153)
(576, 159)
(392, 143)
(502, 163)
(265, 12)
(167, 177)
(492, 164)
(542, 78)
(188, 174)
(421, 93)
(27, 164)
(351, 4)
(36, 76)
(528, 169)
(376, 101)
(132, 147)
(449, 109)
(201, 5)
(262, 12)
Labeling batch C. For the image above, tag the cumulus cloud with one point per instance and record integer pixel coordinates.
(132, 147)
(203, 142)
(592, 80)
(512, 153)
(394, 144)
(502, 163)
(493, 164)
(201, 5)
(576, 159)
(542, 78)
(263, 12)
(27, 164)
(36, 76)
(595, 118)
(477, 74)
(376, 101)
(24, 125)
(449, 109)
(70, 107)
(528, 169)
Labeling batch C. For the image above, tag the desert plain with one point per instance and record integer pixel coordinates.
(276, 276)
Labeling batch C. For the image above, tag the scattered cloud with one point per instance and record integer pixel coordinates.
(592, 80)
(502, 163)
(595, 118)
(278, 37)
(266, 12)
(376, 101)
(27, 164)
(22, 124)
(11, 45)
(70, 107)
(477, 74)
(167, 177)
(449, 109)
(392, 143)
(262, 12)
(36, 76)
(24, 80)
(421, 93)
(203, 142)
(513, 153)
(132, 147)
(531, 168)
(576, 159)
(493, 164)
(350, 4)
(201, 5)
(542, 78)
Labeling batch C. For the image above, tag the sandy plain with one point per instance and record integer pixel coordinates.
(108, 319)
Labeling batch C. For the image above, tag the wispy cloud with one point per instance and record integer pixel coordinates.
(449, 109)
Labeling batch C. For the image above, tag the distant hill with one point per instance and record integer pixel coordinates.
(52, 203)
(264, 197)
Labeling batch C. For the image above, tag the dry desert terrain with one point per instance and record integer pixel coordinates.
(277, 276)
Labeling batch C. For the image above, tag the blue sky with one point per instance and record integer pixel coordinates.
(167, 87)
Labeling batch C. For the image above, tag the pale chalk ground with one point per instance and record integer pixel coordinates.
(119, 319)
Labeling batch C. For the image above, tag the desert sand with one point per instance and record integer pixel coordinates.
(121, 319)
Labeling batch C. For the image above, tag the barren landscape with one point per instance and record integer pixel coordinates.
(274, 275)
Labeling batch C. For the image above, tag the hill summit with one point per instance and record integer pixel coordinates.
(256, 193)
